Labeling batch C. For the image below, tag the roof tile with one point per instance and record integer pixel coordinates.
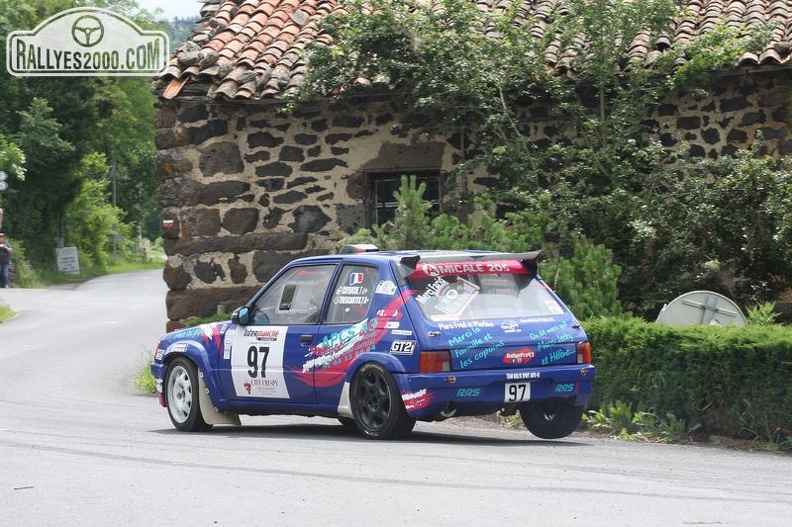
(250, 49)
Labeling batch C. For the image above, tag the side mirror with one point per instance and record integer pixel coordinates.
(241, 316)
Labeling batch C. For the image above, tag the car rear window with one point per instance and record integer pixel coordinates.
(480, 290)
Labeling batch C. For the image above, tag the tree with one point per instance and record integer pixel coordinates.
(91, 220)
(58, 122)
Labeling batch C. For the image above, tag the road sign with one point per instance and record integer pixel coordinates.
(3, 176)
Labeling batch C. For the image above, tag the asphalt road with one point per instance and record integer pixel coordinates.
(80, 446)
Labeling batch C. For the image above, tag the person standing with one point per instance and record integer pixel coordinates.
(5, 260)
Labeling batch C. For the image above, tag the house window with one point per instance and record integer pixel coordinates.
(385, 185)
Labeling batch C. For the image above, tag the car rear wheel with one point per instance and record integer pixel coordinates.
(551, 419)
(377, 405)
(181, 396)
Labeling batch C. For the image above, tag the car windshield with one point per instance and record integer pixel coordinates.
(474, 291)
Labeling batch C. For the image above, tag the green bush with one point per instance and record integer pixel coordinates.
(24, 274)
(734, 381)
(581, 272)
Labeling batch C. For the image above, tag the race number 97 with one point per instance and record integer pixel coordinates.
(517, 392)
(257, 361)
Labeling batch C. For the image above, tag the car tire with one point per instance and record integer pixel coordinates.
(377, 405)
(346, 421)
(181, 396)
(551, 419)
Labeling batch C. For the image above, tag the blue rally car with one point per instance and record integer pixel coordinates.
(379, 340)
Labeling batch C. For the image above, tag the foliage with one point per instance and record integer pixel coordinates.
(582, 273)
(586, 280)
(54, 123)
(12, 159)
(5, 313)
(619, 419)
(611, 180)
(732, 235)
(24, 274)
(733, 381)
(763, 314)
(92, 221)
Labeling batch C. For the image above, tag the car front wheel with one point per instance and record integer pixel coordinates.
(181, 396)
(551, 419)
(377, 405)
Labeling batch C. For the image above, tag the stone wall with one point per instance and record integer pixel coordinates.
(245, 190)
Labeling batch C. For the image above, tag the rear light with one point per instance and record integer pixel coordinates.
(435, 361)
(583, 352)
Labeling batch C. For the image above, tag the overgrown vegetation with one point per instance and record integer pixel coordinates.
(611, 183)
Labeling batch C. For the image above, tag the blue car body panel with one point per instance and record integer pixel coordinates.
(303, 368)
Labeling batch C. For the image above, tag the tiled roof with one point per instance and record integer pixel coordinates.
(253, 49)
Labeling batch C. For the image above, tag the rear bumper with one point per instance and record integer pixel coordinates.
(438, 395)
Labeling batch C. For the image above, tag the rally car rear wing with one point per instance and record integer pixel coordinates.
(408, 264)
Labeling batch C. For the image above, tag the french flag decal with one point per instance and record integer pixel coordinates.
(355, 278)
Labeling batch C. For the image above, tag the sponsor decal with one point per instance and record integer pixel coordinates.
(457, 268)
(468, 392)
(416, 400)
(566, 388)
(386, 287)
(402, 332)
(403, 347)
(519, 357)
(392, 324)
(523, 375)
(227, 345)
(262, 334)
(158, 354)
(334, 354)
(511, 326)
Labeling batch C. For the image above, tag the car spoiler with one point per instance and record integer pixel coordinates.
(409, 263)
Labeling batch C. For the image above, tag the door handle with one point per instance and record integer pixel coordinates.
(306, 339)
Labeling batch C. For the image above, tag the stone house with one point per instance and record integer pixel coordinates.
(244, 189)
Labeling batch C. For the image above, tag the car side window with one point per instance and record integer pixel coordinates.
(352, 294)
(295, 297)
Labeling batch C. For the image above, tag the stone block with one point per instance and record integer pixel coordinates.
(309, 218)
(241, 221)
(220, 158)
(175, 276)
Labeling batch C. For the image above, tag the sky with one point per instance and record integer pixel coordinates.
(173, 8)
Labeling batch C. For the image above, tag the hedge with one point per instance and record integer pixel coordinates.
(734, 381)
